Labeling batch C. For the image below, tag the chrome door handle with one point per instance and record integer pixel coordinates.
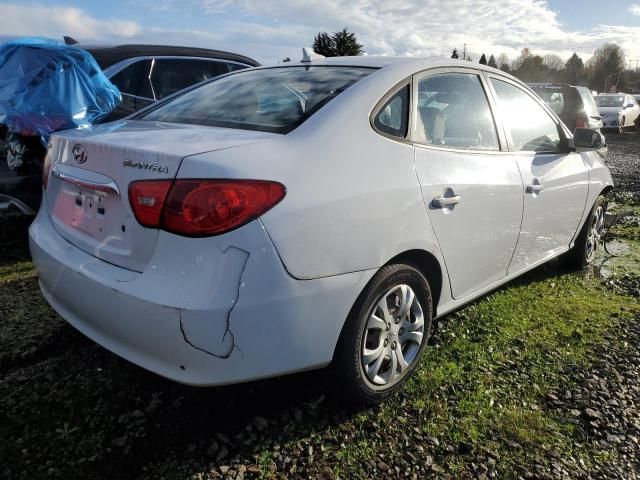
(536, 188)
(441, 202)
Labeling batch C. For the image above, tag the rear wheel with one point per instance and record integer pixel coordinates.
(384, 336)
(590, 237)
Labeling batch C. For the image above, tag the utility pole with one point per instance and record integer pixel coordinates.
(464, 52)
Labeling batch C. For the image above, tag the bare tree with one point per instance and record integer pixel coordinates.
(553, 62)
(606, 67)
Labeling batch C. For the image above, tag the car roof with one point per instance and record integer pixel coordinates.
(107, 55)
(393, 62)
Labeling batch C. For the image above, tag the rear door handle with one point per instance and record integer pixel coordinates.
(441, 202)
(535, 188)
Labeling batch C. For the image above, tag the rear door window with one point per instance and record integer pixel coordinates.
(530, 127)
(453, 111)
(172, 75)
(268, 99)
(130, 79)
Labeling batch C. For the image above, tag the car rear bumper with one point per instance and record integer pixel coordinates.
(212, 314)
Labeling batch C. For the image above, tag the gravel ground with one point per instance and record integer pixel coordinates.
(511, 396)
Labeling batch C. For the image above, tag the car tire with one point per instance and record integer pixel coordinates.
(379, 348)
(621, 126)
(589, 238)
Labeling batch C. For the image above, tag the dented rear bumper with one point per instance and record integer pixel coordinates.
(204, 312)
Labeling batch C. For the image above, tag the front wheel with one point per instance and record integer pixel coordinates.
(621, 126)
(384, 336)
(590, 237)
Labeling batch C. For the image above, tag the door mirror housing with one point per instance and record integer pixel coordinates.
(629, 105)
(587, 140)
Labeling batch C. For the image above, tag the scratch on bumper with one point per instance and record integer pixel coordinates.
(210, 332)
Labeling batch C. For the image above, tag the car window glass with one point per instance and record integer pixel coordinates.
(172, 75)
(232, 67)
(270, 99)
(393, 117)
(588, 101)
(552, 96)
(453, 111)
(531, 128)
(129, 79)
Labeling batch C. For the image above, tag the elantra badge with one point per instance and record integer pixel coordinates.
(154, 167)
(79, 153)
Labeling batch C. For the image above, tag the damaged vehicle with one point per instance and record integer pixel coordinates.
(143, 74)
(310, 214)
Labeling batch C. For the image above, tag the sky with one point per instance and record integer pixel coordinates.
(270, 30)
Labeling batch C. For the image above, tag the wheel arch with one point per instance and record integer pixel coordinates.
(429, 266)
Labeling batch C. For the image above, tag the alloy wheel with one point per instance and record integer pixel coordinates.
(393, 336)
(594, 236)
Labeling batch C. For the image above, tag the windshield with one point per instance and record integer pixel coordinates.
(270, 100)
(610, 100)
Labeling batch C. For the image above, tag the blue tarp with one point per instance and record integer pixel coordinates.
(47, 86)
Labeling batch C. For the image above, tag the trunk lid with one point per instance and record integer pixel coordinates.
(87, 192)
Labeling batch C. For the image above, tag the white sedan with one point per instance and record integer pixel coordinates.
(618, 110)
(287, 218)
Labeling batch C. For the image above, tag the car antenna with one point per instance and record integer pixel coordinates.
(69, 40)
(308, 55)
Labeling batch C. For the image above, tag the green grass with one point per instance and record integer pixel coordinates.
(482, 387)
(485, 384)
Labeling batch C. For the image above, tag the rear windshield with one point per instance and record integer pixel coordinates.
(555, 97)
(270, 100)
(610, 100)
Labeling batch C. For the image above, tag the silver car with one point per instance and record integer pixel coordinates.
(618, 110)
(319, 213)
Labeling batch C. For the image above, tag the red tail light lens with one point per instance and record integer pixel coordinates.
(581, 122)
(201, 208)
(147, 199)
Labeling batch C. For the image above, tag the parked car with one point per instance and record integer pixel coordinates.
(143, 74)
(618, 110)
(574, 105)
(286, 218)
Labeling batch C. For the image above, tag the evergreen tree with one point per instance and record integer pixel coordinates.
(574, 71)
(342, 43)
(483, 59)
(323, 45)
(346, 43)
(492, 61)
(454, 54)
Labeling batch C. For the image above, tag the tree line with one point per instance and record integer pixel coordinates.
(605, 71)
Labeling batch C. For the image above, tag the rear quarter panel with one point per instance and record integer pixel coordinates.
(353, 200)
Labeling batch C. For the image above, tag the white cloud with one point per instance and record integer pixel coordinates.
(43, 20)
(272, 30)
(634, 8)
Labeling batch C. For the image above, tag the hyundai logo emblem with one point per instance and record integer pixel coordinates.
(79, 153)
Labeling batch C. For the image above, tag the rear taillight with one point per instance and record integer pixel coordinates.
(147, 199)
(46, 168)
(200, 208)
(582, 122)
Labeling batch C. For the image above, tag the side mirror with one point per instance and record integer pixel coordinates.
(587, 140)
(629, 105)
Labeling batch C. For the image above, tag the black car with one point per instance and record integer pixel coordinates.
(574, 105)
(143, 74)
